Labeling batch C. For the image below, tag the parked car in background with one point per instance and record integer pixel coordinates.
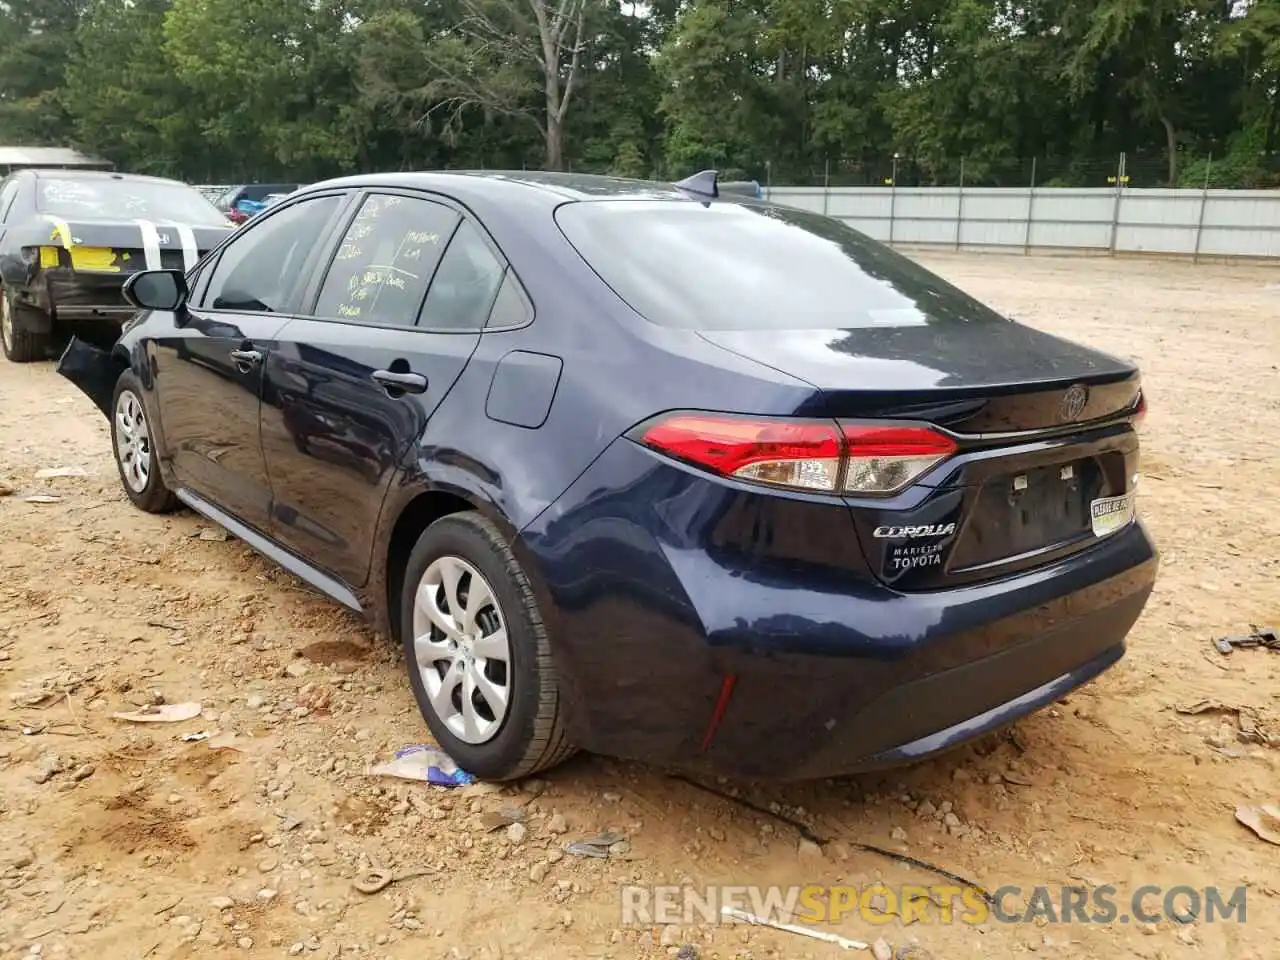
(70, 238)
(245, 200)
(643, 468)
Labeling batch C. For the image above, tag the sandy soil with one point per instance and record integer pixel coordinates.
(125, 841)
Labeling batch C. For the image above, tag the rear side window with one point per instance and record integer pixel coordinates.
(385, 261)
(730, 266)
(464, 287)
(510, 309)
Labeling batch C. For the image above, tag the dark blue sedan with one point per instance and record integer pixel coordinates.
(643, 469)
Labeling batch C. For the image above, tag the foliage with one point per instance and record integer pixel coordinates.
(786, 90)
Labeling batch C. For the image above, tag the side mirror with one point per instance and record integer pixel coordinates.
(156, 289)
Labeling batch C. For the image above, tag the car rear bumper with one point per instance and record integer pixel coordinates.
(675, 648)
(87, 297)
(73, 297)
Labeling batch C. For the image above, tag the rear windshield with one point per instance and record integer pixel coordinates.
(731, 266)
(109, 199)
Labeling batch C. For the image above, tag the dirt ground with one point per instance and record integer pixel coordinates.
(123, 840)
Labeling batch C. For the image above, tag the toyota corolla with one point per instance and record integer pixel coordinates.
(643, 469)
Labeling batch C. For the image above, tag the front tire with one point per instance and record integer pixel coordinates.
(21, 343)
(131, 442)
(477, 652)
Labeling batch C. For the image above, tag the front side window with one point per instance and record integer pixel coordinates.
(464, 287)
(385, 261)
(261, 267)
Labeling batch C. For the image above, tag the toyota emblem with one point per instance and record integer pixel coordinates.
(1073, 402)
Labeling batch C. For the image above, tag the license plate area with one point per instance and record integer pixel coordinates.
(1109, 514)
(1020, 513)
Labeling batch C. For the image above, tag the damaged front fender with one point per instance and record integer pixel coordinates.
(93, 370)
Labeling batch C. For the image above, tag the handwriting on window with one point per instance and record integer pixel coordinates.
(379, 269)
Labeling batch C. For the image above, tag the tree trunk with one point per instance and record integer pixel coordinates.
(1273, 118)
(1171, 136)
(554, 136)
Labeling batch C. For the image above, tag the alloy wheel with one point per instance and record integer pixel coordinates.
(133, 441)
(462, 650)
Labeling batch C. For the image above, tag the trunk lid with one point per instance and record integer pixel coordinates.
(124, 247)
(1047, 454)
(984, 376)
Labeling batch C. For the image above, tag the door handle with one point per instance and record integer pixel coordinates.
(247, 357)
(402, 382)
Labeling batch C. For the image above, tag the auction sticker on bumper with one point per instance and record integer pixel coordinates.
(1109, 514)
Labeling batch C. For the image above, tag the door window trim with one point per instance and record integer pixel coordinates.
(215, 259)
(311, 293)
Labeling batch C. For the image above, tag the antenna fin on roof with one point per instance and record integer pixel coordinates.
(704, 184)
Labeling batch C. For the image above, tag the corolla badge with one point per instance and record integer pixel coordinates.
(1073, 402)
(910, 533)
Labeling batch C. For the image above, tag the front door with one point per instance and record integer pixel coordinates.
(208, 365)
(349, 390)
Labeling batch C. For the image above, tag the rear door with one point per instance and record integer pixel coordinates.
(350, 388)
(209, 362)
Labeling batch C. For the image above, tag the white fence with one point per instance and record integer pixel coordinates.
(1196, 223)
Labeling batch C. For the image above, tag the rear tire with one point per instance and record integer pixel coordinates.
(486, 685)
(131, 442)
(21, 343)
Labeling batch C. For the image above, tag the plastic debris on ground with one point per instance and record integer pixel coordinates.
(425, 764)
(597, 847)
(504, 817)
(843, 943)
(1268, 637)
(1264, 820)
(1250, 726)
(161, 713)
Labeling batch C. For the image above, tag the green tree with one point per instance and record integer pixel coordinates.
(121, 94)
(36, 39)
(269, 81)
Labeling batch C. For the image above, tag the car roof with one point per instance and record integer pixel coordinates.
(556, 188)
(102, 175)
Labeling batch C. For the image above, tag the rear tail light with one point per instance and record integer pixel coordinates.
(1140, 414)
(818, 455)
(884, 459)
(788, 453)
